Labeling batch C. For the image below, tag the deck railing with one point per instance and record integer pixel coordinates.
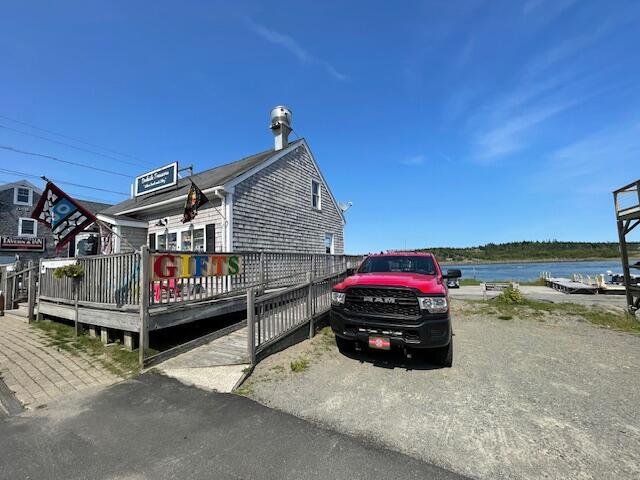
(107, 280)
(260, 270)
(113, 281)
(275, 315)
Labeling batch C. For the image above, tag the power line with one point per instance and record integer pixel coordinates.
(31, 175)
(24, 152)
(86, 150)
(72, 138)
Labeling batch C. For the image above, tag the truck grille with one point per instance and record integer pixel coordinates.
(404, 301)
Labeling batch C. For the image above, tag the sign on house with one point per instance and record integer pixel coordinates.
(169, 265)
(22, 243)
(157, 179)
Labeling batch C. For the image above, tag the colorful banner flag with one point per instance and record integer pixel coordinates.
(61, 214)
(106, 241)
(195, 199)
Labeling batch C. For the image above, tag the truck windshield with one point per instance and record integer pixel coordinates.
(399, 264)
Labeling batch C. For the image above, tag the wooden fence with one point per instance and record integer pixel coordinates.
(114, 280)
(18, 286)
(108, 280)
(273, 316)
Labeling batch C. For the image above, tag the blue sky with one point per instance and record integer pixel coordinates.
(445, 123)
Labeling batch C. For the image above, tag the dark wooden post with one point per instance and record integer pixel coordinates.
(76, 284)
(310, 304)
(144, 303)
(251, 325)
(39, 285)
(262, 279)
(31, 293)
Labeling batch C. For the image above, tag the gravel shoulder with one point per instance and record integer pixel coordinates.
(545, 396)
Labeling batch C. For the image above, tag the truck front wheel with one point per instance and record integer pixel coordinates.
(444, 356)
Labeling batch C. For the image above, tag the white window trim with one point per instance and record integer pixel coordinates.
(178, 232)
(15, 196)
(319, 207)
(35, 227)
(332, 248)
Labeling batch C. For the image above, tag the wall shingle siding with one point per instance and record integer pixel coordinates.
(209, 213)
(9, 215)
(272, 209)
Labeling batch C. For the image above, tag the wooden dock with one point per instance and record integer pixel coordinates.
(566, 285)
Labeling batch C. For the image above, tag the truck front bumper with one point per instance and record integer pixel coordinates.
(425, 332)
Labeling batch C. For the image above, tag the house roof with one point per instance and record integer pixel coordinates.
(20, 183)
(208, 179)
(93, 207)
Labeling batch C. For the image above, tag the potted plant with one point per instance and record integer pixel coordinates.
(75, 272)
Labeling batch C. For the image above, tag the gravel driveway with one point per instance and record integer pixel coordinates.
(525, 399)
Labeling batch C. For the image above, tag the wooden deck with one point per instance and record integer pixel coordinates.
(566, 285)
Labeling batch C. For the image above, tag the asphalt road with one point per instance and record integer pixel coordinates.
(157, 428)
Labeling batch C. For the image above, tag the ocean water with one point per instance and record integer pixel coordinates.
(531, 271)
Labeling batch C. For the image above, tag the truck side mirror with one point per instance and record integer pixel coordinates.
(452, 273)
(350, 271)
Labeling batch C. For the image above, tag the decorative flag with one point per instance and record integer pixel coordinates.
(106, 241)
(195, 199)
(61, 214)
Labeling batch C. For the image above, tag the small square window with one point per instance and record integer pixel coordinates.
(27, 227)
(22, 196)
(315, 195)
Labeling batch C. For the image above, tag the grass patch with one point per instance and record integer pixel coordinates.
(114, 358)
(244, 390)
(299, 365)
(536, 309)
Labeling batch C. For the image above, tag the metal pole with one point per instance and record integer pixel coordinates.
(143, 341)
(251, 319)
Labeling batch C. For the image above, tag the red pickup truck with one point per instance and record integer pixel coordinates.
(395, 300)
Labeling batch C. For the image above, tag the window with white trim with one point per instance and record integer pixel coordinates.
(316, 200)
(22, 196)
(328, 243)
(27, 227)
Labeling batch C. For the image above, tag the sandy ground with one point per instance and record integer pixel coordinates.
(526, 398)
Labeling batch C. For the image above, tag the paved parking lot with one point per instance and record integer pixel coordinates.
(528, 398)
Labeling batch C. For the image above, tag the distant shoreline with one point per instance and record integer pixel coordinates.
(548, 260)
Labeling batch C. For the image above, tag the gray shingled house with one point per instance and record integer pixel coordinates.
(24, 238)
(276, 200)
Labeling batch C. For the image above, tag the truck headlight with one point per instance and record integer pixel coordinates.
(433, 304)
(337, 297)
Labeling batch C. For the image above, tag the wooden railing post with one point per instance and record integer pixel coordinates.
(310, 304)
(144, 303)
(251, 325)
(262, 287)
(31, 293)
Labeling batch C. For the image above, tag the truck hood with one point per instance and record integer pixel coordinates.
(427, 284)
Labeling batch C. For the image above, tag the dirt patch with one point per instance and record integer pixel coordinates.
(546, 393)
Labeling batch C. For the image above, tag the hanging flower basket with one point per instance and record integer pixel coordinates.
(75, 272)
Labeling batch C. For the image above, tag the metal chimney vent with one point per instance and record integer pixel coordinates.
(281, 121)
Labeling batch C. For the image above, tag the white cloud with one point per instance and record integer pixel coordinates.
(290, 44)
